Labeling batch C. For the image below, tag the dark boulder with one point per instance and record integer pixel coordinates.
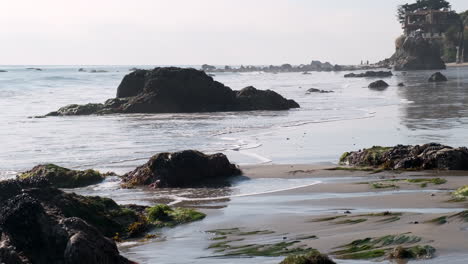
(378, 84)
(437, 77)
(182, 169)
(417, 53)
(61, 177)
(132, 84)
(379, 74)
(34, 228)
(401, 85)
(251, 98)
(425, 157)
(3, 71)
(178, 90)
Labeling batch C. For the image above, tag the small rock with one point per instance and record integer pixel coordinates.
(378, 84)
(438, 77)
(401, 85)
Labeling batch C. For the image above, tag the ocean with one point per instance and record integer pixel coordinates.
(326, 125)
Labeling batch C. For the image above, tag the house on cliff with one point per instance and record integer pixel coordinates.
(429, 24)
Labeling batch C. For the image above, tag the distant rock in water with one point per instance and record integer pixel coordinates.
(187, 168)
(61, 177)
(178, 90)
(81, 70)
(378, 84)
(35, 69)
(314, 90)
(3, 71)
(379, 74)
(401, 85)
(417, 53)
(438, 77)
(426, 157)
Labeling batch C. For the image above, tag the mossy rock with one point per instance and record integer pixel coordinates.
(61, 177)
(416, 252)
(162, 215)
(314, 257)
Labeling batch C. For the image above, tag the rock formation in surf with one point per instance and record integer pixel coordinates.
(379, 74)
(178, 90)
(187, 168)
(425, 157)
(417, 53)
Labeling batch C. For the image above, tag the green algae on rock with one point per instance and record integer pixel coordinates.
(162, 215)
(61, 177)
(416, 252)
(312, 257)
(420, 157)
(461, 193)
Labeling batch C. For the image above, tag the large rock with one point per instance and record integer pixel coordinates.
(182, 169)
(438, 77)
(417, 53)
(425, 157)
(378, 84)
(36, 227)
(61, 177)
(178, 90)
(380, 74)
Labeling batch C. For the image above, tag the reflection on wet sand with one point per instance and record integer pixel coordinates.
(434, 105)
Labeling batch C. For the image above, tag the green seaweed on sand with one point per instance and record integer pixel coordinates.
(438, 221)
(351, 169)
(370, 248)
(386, 213)
(436, 181)
(389, 220)
(380, 185)
(261, 250)
(351, 221)
(460, 194)
(312, 257)
(327, 219)
(462, 216)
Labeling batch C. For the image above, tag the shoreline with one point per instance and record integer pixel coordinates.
(341, 208)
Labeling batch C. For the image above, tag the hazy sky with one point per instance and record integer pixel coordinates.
(198, 31)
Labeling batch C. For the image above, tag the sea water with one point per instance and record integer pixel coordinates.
(327, 124)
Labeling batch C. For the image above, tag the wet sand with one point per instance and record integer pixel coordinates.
(302, 197)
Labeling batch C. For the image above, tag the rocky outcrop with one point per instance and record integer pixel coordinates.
(3, 71)
(182, 169)
(379, 74)
(42, 224)
(61, 177)
(314, 90)
(380, 84)
(39, 224)
(417, 53)
(177, 90)
(425, 157)
(438, 77)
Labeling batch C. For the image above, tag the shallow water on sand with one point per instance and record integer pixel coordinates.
(327, 124)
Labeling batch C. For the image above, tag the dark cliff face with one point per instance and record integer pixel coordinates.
(416, 53)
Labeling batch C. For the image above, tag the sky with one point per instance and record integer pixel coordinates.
(193, 32)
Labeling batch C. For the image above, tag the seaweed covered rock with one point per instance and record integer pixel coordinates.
(416, 252)
(314, 257)
(34, 227)
(438, 77)
(379, 74)
(62, 177)
(179, 90)
(378, 84)
(187, 168)
(417, 53)
(421, 157)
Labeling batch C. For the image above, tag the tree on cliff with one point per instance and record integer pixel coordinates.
(423, 5)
